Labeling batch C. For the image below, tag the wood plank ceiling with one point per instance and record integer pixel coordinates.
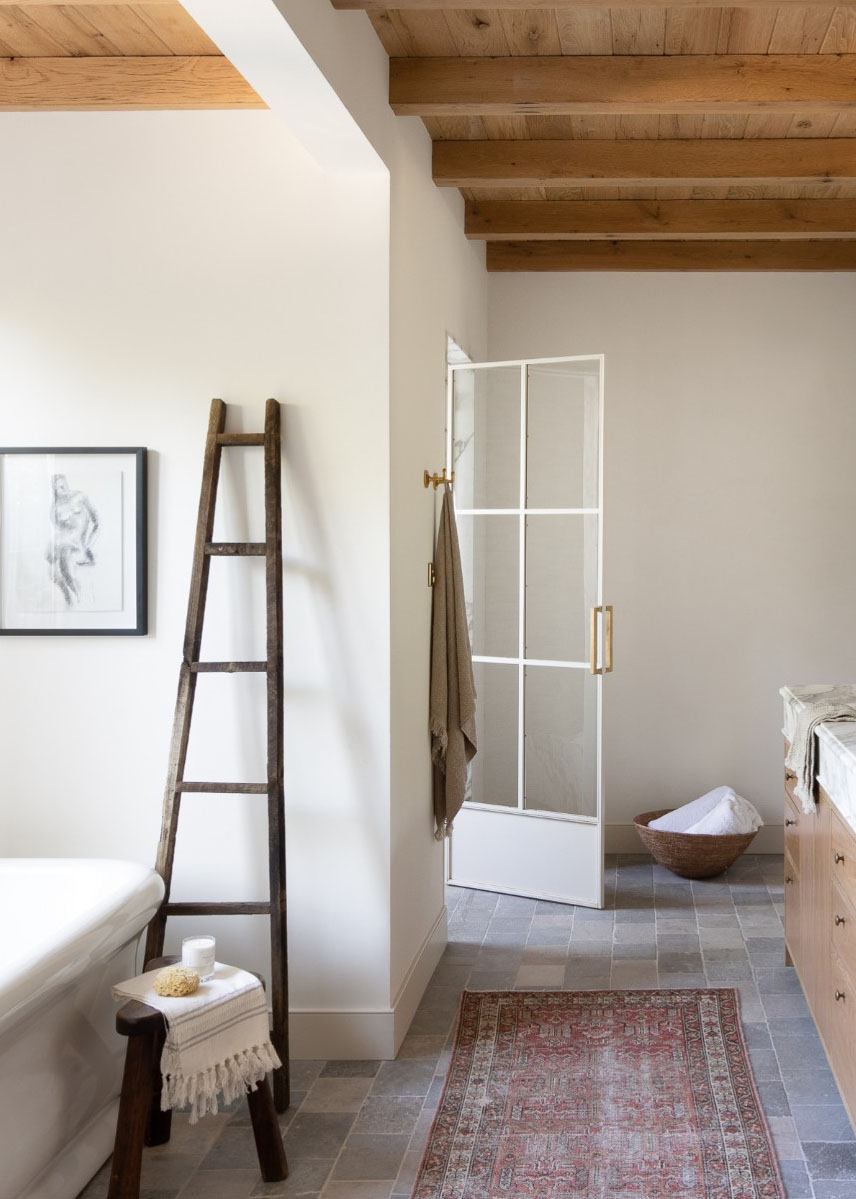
(634, 138)
(100, 55)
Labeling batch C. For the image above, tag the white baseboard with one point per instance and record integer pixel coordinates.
(341, 1034)
(351, 1035)
(623, 838)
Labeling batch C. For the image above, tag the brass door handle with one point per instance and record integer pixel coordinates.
(840, 920)
(839, 858)
(593, 640)
(788, 823)
(593, 666)
(839, 995)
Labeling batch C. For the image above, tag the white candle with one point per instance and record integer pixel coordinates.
(197, 953)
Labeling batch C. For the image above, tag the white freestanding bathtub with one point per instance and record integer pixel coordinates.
(69, 929)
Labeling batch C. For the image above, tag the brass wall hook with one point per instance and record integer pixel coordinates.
(427, 479)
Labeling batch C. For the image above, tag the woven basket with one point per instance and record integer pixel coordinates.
(691, 855)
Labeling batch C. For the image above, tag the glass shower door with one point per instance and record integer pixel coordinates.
(525, 442)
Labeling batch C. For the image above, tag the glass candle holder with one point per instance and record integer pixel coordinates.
(197, 953)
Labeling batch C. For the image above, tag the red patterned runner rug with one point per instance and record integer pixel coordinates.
(599, 1095)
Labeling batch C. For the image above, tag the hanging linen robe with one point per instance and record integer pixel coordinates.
(453, 692)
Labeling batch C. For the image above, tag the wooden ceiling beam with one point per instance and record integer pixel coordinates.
(28, 84)
(672, 256)
(729, 162)
(580, 84)
(405, 6)
(548, 220)
(89, 3)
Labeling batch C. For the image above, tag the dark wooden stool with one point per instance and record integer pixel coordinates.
(141, 1121)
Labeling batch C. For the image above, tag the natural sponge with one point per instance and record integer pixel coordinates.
(176, 981)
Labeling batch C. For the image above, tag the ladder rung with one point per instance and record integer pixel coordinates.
(227, 667)
(240, 438)
(239, 549)
(217, 909)
(225, 788)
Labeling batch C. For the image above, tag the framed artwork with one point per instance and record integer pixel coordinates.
(73, 541)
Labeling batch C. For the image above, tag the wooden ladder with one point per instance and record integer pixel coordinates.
(191, 667)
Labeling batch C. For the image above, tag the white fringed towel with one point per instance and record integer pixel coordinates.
(217, 1039)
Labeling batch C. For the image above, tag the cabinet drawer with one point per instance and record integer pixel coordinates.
(843, 931)
(790, 784)
(842, 852)
(841, 1006)
(793, 821)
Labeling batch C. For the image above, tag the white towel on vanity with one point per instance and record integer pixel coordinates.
(217, 1039)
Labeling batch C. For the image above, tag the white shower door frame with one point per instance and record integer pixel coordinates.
(517, 850)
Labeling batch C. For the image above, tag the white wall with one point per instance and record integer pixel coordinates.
(729, 502)
(159, 260)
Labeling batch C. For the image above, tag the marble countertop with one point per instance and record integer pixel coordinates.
(836, 771)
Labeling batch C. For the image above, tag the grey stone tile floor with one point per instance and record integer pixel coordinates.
(356, 1130)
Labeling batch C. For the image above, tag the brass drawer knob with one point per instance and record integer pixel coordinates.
(839, 995)
(840, 920)
(789, 823)
(839, 858)
(788, 878)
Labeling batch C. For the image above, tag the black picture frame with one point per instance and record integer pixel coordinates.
(134, 583)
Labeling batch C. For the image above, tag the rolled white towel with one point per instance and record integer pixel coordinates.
(733, 814)
(682, 819)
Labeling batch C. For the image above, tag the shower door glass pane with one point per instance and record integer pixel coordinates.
(561, 741)
(486, 448)
(490, 553)
(561, 586)
(563, 435)
(493, 771)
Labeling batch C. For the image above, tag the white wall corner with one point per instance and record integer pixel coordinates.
(368, 1035)
(623, 838)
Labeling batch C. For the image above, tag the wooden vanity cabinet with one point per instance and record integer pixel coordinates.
(820, 927)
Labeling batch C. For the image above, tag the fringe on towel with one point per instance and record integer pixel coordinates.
(230, 1078)
(439, 745)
